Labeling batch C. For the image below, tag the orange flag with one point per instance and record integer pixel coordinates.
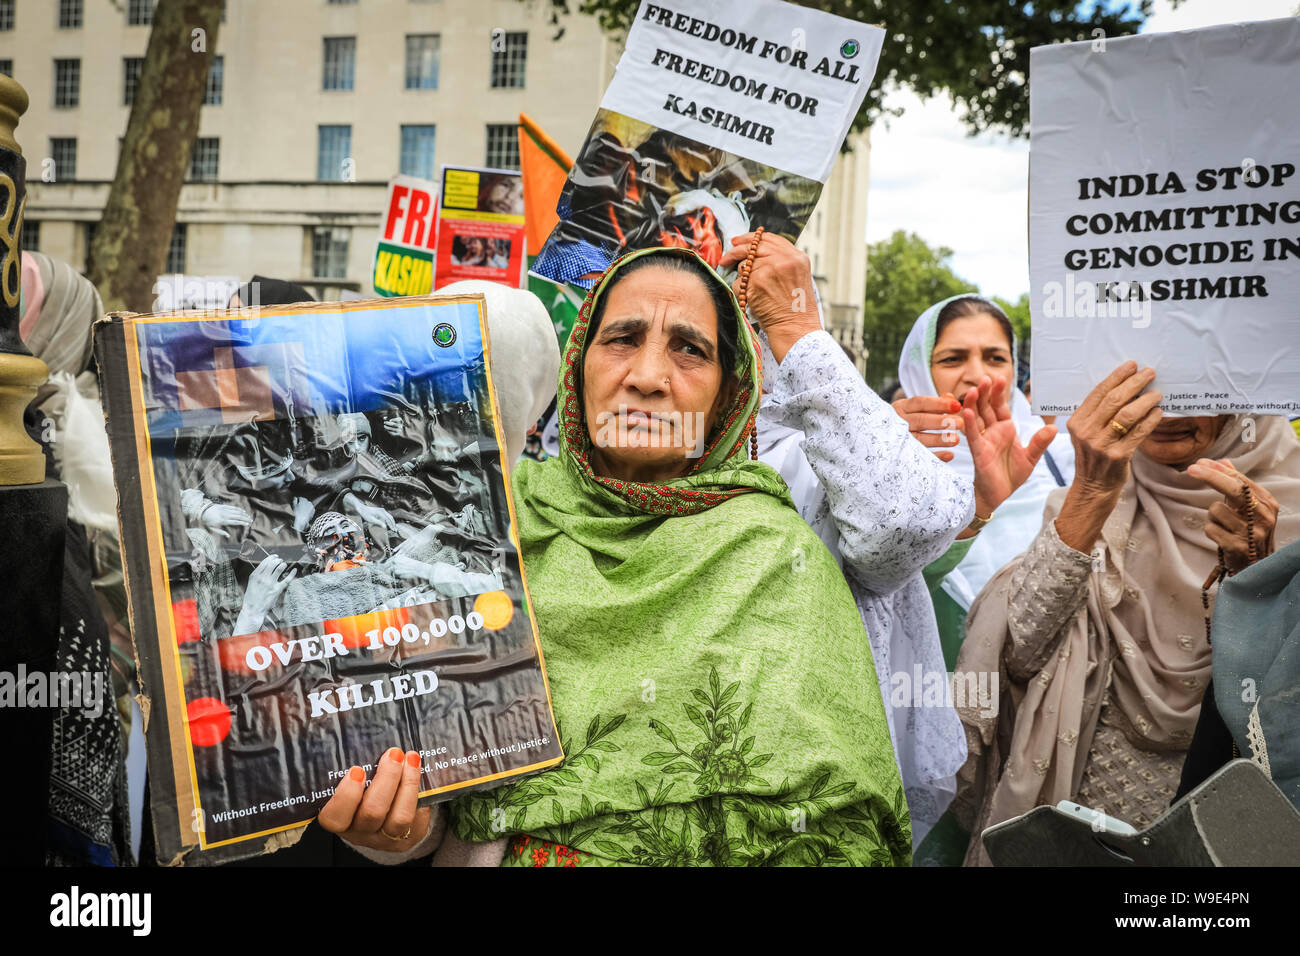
(545, 167)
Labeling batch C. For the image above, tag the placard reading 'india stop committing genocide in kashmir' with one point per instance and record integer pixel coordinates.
(724, 115)
(1164, 222)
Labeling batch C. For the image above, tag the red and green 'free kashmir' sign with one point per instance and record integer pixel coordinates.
(408, 236)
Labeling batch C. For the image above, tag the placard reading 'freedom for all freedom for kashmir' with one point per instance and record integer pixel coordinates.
(724, 115)
(1164, 220)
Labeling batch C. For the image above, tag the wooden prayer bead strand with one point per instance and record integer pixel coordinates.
(1221, 570)
(742, 296)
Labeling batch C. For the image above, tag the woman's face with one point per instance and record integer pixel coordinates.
(474, 247)
(968, 349)
(1180, 441)
(652, 381)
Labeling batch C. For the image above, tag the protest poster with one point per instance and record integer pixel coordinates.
(481, 226)
(723, 116)
(315, 520)
(407, 238)
(1164, 222)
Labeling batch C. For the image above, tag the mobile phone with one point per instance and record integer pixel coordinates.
(1099, 821)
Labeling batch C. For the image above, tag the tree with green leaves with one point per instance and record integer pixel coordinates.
(1018, 313)
(976, 50)
(130, 247)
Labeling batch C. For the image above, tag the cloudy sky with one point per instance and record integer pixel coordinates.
(970, 194)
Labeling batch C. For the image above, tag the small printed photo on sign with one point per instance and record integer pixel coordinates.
(501, 193)
(480, 251)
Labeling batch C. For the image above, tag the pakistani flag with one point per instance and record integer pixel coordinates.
(545, 167)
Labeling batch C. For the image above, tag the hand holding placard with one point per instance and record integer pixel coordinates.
(1102, 452)
(383, 816)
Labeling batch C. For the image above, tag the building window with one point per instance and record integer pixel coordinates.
(67, 82)
(7, 67)
(422, 61)
(139, 13)
(216, 81)
(69, 14)
(31, 235)
(6, 14)
(509, 56)
(176, 251)
(340, 61)
(333, 152)
(63, 150)
(204, 159)
(131, 67)
(329, 252)
(502, 146)
(417, 151)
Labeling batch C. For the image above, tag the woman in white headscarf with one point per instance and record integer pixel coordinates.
(953, 346)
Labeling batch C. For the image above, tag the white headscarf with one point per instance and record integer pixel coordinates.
(525, 356)
(1017, 520)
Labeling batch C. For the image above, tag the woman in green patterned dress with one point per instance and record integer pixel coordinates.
(712, 684)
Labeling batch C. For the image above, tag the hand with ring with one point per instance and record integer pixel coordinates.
(383, 816)
(1106, 429)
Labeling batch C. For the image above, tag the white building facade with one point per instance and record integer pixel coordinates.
(312, 106)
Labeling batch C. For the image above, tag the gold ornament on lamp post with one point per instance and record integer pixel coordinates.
(21, 373)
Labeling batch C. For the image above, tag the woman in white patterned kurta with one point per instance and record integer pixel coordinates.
(884, 506)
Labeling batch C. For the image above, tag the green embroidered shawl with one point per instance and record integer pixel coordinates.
(711, 678)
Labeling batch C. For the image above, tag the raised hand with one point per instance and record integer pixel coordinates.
(1001, 463)
(781, 295)
(1106, 429)
(371, 514)
(265, 585)
(928, 414)
(216, 517)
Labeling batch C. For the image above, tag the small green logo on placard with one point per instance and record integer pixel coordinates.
(850, 49)
(444, 335)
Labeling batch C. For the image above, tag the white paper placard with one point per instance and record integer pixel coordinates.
(776, 83)
(1164, 222)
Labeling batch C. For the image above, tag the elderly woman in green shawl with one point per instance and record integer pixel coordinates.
(712, 684)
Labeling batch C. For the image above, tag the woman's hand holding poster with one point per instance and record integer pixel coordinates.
(1164, 221)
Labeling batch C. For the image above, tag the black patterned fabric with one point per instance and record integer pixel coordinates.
(88, 822)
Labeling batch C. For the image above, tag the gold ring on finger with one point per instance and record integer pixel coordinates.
(1118, 429)
(393, 838)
